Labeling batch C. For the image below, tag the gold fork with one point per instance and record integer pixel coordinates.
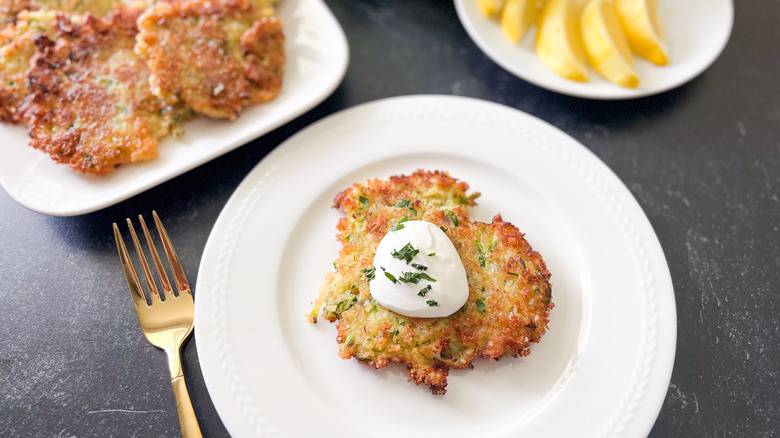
(167, 321)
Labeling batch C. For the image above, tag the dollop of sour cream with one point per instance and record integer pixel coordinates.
(418, 272)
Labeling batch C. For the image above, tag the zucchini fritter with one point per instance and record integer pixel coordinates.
(99, 8)
(92, 107)
(217, 56)
(509, 289)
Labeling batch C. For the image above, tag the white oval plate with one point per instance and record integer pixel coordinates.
(603, 367)
(696, 31)
(317, 57)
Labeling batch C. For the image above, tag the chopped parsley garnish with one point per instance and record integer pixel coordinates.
(431, 254)
(512, 273)
(369, 272)
(406, 253)
(452, 217)
(391, 277)
(419, 266)
(407, 204)
(400, 224)
(442, 228)
(415, 277)
(432, 303)
(425, 290)
(481, 305)
(364, 202)
(481, 253)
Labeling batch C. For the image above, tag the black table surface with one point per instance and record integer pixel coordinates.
(703, 161)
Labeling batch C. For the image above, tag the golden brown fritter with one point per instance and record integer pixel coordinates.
(18, 47)
(217, 56)
(509, 288)
(92, 107)
(99, 8)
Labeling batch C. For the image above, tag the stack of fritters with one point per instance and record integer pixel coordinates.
(99, 89)
(509, 289)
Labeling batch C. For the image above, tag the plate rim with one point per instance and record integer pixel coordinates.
(101, 202)
(237, 205)
(466, 21)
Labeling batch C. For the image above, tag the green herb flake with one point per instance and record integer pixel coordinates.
(419, 266)
(481, 305)
(400, 224)
(370, 272)
(391, 277)
(481, 252)
(407, 204)
(467, 201)
(364, 202)
(424, 291)
(415, 277)
(364, 359)
(345, 305)
(453, 217)
(431, 254)
(406, 253)
(432, 303)
(513, 273)
(442, 228)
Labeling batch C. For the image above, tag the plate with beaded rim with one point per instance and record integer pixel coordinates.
(604, 364)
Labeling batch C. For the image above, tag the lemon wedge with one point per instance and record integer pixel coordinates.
(643, 28)
(490, 8)
(558, 42)
(518, 16)
(606, 45)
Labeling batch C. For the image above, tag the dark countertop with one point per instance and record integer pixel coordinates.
(702, 160)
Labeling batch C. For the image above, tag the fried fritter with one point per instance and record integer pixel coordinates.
(10, 8)
(217, 56)
(509, 289)
(99, 8)
(18, 47)
(92, 107)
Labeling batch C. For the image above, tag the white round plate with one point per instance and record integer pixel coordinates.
(317, 58)
(696, 33)
(603, 367)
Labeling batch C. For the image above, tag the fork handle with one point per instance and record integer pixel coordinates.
(187, 420)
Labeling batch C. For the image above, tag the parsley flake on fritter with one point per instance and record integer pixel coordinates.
(217, 56)
(509, 289)
(92, 107)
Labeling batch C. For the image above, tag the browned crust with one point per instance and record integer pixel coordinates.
(229, 71)
(509, 282)
(91, 107)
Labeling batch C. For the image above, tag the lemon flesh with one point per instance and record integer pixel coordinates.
(490, 8)
(558, 40)
(643, 28)
(518, 16)
(606, 45)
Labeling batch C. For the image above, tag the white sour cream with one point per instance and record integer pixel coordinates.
(422, 251)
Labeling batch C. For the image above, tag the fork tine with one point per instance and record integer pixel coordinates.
(127, 265)
(156, 258)
(173, 259)
(142, 258)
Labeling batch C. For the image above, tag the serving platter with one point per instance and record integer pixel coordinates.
(696, 32)
(317, 58)
(603, 367)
